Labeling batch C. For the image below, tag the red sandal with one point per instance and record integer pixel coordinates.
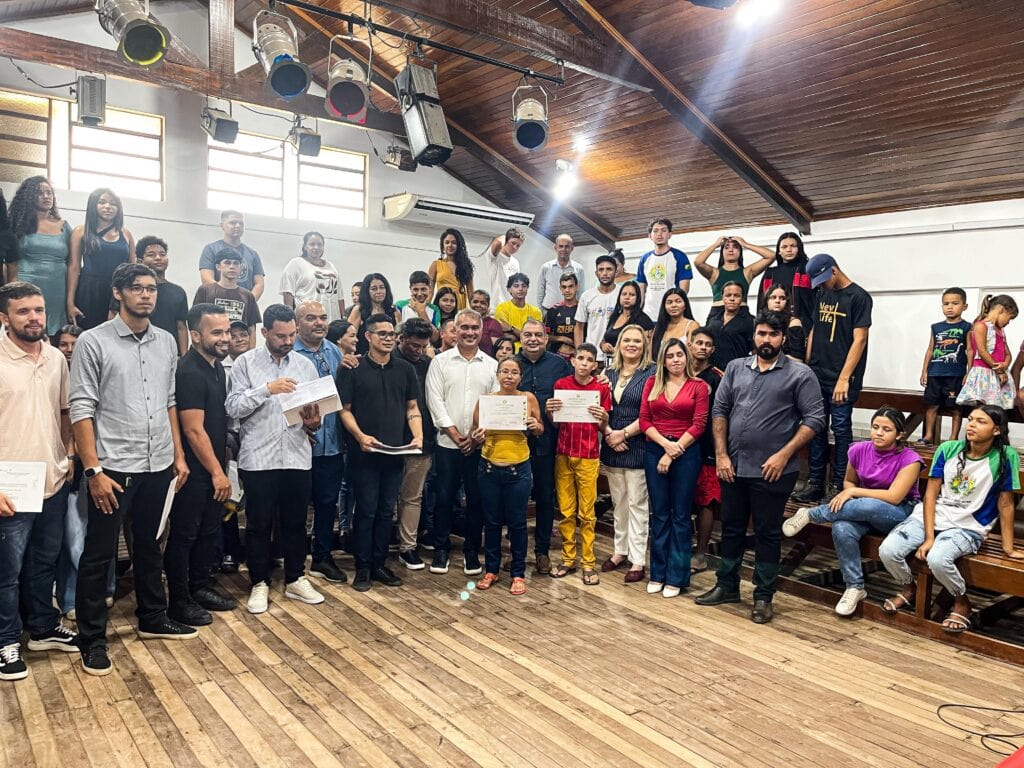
(518, 586)
(487, 581)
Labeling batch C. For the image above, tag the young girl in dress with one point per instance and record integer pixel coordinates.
(970, 488)
(987, 381)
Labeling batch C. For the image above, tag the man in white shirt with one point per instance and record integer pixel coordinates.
(455, 381)
(501, 254)
(662, 268)
(596, 305)
(549, 292)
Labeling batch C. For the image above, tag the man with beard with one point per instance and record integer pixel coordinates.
(125, 418)
(193, 542)
(596, 306)
(708, 493)
(35, 427)
(766, 409)
(274, 459)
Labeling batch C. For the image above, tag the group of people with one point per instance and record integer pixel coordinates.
(683, 419)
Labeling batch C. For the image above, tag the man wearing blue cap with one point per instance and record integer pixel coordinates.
(837, 352)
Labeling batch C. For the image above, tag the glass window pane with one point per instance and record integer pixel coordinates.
(330, 177)
(225, 181)
(256, 165)
(220, 201)
(138, 188)
(337, 159)
(24, 104)
(266, 146)
(97, 138)
(133, 121)
(326, 196)
(108, 162)
(24, 127)
(344, 216)
(23, 152)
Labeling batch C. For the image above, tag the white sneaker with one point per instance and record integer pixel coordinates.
(849, 601)
(301, 589)
(795, 524)
(670, 591)
(109, 602)
(259, 598)
(653, 587)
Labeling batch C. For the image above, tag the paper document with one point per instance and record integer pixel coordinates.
(574, 405)
(236, 486)
(24, 483)
(168, 503)
(320, 391)
(396, 450)
(502, 411)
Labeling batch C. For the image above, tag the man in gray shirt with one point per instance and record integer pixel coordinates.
(767, 408)
(126, 431)
(274, 459)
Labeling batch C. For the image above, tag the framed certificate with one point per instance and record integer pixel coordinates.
(502, 411)
(574, 405)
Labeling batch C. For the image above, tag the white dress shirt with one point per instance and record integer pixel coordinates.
(454, 384)
(549, 288)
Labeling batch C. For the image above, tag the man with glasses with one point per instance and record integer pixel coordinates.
(328, 461)
(379, 402)
(125, 419)
(238, 303)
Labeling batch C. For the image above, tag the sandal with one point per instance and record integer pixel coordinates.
(897, 603)
(956, 623)
(591, 577)
(487, 581)
(561, 571)
(518, 586)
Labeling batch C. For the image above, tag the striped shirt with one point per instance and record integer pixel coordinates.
(624, 413)
(267, 442)
(578, 439)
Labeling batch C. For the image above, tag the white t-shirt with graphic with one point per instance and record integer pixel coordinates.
(659, 272)
(307, 282)
(594, 309)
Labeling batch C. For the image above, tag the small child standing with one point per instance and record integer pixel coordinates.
(945, 364)
(970, 488)
(987, 381)
(577, 461)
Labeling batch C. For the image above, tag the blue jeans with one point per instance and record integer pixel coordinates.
(29, 547)
(671, 496)
(75, 522)
(504, 494)
(854, 521)
(454, 468)
(840, 417)
(328, 472)
(950, 545)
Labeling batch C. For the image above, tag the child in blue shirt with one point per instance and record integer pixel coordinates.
(945, 365)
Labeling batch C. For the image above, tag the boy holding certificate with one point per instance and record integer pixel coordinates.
(581, 403)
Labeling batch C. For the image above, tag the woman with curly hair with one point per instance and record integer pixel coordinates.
(453, 269)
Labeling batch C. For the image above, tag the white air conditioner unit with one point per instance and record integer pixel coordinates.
(420, 210)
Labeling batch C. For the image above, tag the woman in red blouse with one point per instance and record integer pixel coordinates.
(673, 414)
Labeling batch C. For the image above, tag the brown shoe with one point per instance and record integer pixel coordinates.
(611, 565)
(633, 576)
(543, 566)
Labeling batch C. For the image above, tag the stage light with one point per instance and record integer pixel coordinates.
(565, 179)
(530, 118)
(275, 43)
(305, 141)
(91, 98)
(140, 40)
(347, 92)
(752, 12)
(425, 126)
(220, 125)
(399, 158)
(581, 144)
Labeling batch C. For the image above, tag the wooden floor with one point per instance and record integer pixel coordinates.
(567, 675)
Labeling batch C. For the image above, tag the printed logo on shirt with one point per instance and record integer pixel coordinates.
(830, 314)
(234, 308)
(326, 282)
(963, 485)
(657, 273)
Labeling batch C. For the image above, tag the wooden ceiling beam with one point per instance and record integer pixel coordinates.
(673, 101)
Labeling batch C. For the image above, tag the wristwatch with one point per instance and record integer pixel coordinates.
(91, 472)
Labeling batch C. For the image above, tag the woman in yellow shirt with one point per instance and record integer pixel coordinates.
(452, 269)
(505, 476)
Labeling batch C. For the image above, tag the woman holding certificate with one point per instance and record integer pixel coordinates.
(500, 423)
(673, 415)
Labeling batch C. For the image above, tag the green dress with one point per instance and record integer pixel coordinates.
(44, 262)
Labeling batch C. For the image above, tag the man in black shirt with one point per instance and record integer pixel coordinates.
(708, 493)
(560, 320)
(379, 398)
(193, 542)
(171, 307)
(837, 351)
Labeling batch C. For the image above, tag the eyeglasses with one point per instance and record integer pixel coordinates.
(138, 290)
(385, 334)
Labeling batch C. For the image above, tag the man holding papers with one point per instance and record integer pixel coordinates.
(125, 419)
(378, 406)
(274, 458)
(35, 435)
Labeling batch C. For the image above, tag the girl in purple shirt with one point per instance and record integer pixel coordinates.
(879, 492)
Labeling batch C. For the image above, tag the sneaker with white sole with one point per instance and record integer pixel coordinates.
(654, 587)
(412, 560)
(440, 562)
(259, 598)
(12, 666)
(60, 638)
(849, 601)
(301, 589)
(793, 525)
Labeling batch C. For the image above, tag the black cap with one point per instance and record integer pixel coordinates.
(606, 258)
(239, 324)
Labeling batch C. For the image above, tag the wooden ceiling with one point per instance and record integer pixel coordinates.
(832, 107)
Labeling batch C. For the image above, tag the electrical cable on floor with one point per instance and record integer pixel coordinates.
(1003, 739)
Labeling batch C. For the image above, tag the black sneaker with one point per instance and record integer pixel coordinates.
(95, 661)
(228, 565)
(190, 613)
(386, 577)
(328, 571)
(440, 562)
(12, 667)
(214, 600)
(471, 565)
(60, 638)
(426, 540)
(362, 581)
(811, 494)
(167, 629)
(412, 560)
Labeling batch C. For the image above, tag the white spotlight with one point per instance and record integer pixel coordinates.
(752, 12)
(140, 40)
(275, 43)
(347, 92)
(429, 139)
(565, 179)
(530, 118)
(581, 144)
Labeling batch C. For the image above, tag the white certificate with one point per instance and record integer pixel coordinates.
(168, 503)
(574, 405)
(24, 483)
(320, 391)
(502, 411)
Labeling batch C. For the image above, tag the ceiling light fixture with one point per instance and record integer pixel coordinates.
(348, 91)
(425, 126)
(753, 12)
(219, 124)
(565, 179)
(275, 43)
(530, 118)
(305, 141)
(140, 40)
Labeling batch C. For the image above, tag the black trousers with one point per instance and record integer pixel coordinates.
(143, 500)
(281, 495)
(375, 480)
(542, 467)
(194, 538)
(765, 502)
(455, 468)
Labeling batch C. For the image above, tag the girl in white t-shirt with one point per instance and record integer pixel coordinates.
(311, 277)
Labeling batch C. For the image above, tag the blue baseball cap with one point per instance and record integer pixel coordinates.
(820, 268)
